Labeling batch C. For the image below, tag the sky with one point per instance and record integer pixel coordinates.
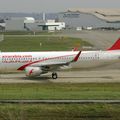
(54, 5)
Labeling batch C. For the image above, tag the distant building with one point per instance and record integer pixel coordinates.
(2, 25)
(30, 24)
(29, 20)
(51, 25)
(18, 24)
(15, 24)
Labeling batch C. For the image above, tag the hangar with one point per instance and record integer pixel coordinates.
(18, 23)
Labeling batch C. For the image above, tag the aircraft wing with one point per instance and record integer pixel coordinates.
(56, 66)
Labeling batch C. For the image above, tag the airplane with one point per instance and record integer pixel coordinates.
(36, 63)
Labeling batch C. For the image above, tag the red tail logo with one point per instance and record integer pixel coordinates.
(116, 45)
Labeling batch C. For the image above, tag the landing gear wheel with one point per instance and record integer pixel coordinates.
(54, 76)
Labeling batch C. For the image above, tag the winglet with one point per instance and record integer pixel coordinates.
(116, 45)
(76, 57)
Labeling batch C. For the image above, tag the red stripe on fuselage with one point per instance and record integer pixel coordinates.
(26, 65)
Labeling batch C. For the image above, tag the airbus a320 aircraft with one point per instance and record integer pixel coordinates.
(37, 63)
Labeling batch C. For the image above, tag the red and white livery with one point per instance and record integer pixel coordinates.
(37, 63)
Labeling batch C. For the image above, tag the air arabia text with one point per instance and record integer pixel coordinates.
(16, 58)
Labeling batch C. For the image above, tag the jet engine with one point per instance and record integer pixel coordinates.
(33, 71)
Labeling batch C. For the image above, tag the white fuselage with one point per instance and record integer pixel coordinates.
(15, 60)
(97, 58)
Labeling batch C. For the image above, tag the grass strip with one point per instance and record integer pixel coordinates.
(38, 43)
(59, 112)
(60, 91)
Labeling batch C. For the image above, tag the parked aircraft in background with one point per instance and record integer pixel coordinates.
(37, 63)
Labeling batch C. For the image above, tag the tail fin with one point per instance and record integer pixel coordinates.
(116, 45)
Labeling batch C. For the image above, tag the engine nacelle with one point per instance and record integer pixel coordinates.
(33, 71)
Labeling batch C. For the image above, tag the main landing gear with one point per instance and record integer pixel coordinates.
(54, 76)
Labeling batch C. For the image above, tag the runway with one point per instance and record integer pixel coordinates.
(83, 76)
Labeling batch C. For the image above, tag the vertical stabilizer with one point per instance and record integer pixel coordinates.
(116, 45)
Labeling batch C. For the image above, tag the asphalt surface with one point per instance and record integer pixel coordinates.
(99, 38)
(60, 101)
(87, 76)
